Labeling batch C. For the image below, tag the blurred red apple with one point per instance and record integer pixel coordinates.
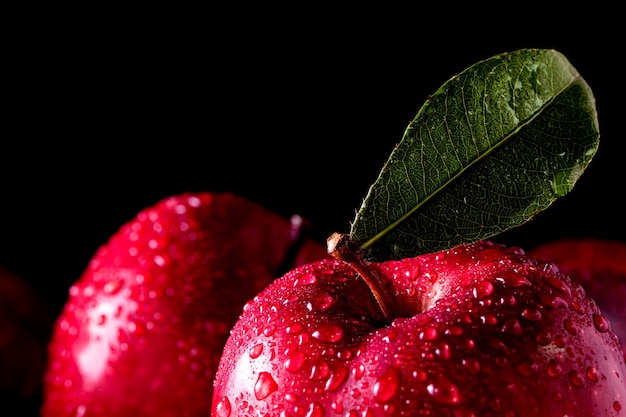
(144, 327)
(599, 265)
(25, 326)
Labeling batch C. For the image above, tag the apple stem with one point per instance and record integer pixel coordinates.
(342, 247)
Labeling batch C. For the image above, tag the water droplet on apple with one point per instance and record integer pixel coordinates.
(249, 304)
(454, 330)
(256, 351)
(493, 255)
(489, 319)
(345, 354)
(303, 338)
(386, 386)
(432, 276)
(559, 340)
(498, 344)
(527, 368)
(552, 301)
(160, 260)
(337, 406)
(468, 344)
(472, 365)
(544, 338)
(592, 374)
(295, 361)
(113, 287)
(577, 306)
(264, 386)
(602, 323)
(483, 289)
(429, 334)
(321, 302)
(291, 397)
(576, 379)
(512, 279)
(319, 370)
(443, 351)
(569, 326)
(88, 291)
(512, 326)
(559, 285)
(444, 391)
(553, 369)
(101, 319)
(531, 314)
(337, 377)
(420, 375)
(315, 410)
(269, 330)
(294, 328)
(328, 333)
(223, 408)
(390, 336)
(305, 279)
(358, 371)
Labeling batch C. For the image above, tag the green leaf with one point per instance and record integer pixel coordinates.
(496, 144)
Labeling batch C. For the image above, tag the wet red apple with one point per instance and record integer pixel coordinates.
(143, 329)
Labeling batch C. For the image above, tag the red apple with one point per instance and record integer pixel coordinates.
(25, 326)
(599, 265)
(143, 328)
(478, 330)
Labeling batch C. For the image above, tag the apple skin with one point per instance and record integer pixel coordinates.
(599, 265)
(479, 330)
(143, 328)
(25, 328)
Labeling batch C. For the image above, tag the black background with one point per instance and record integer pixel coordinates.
(107, 116)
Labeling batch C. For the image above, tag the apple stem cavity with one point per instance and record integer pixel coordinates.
(342, 247)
